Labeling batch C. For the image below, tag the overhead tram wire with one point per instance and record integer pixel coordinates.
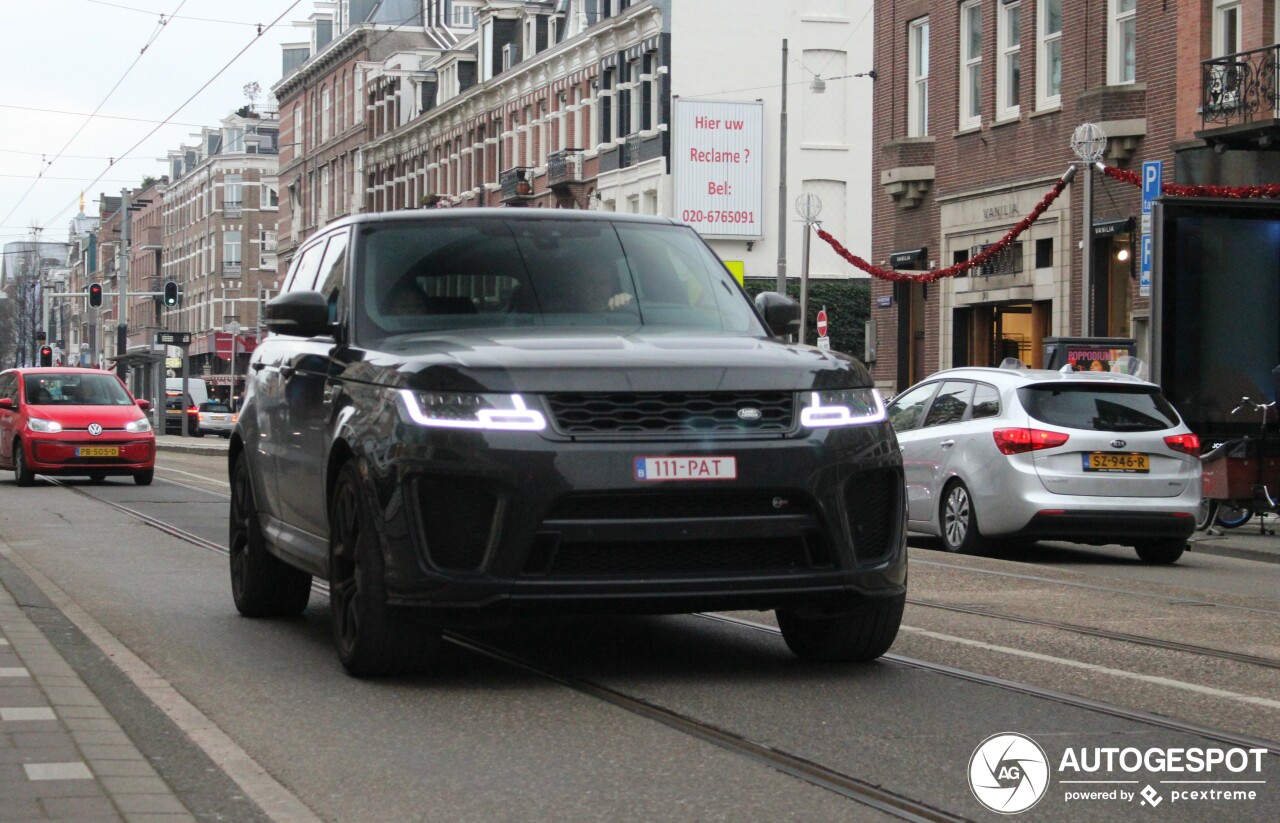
(186, 102)
(154, 36)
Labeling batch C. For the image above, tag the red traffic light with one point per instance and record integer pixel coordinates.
(46, 355)
(95, 294)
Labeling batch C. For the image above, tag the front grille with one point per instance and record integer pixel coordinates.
(662, 505)
(680, 557)
(455, 516)
(673, 413)
(873, 504)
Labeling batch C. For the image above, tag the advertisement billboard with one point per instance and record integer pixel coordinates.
(717, 163)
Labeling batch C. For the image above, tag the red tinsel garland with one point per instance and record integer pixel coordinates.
(1180, 190)
(958, 268)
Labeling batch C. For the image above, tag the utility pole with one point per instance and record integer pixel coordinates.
(782, 181)
(122, 297)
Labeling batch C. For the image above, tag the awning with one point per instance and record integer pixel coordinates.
(911, 259)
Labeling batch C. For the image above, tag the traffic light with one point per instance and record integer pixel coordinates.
(46, 355)
(170, 293)
(95, 294)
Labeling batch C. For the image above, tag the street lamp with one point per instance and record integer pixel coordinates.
(1089, 142)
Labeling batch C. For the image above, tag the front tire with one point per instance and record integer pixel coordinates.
(262, 585)
(1231, 516)
(372, 638)
(860, 635)
(959, 520)
(22, 473)
(1161, 552)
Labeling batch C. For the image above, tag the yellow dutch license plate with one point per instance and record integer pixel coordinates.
(1111, 462)
(98, 451)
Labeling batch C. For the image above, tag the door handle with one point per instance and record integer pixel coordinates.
(259, 366)
(946, 444)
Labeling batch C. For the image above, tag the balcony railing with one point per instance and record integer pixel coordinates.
(1240, 88)
(564, 166)
(516, 184)
(232, 208)
(231, 269)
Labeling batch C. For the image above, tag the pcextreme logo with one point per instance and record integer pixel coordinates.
(1008, 773)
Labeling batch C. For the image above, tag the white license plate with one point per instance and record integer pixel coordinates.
(686, 468)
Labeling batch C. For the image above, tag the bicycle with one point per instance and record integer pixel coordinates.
(1241, 477)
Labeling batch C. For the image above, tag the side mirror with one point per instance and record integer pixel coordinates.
(145, 405)
(6, 403)
(300, 314)
(781, 313)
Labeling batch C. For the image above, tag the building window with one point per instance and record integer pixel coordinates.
(1122, 57)
(324, 114)
(231, 252)
(357, 96)
(270, 196)
(462, 16)
(971, 64)
(918, 79)
(1226, 27)
(232, 194)
(1049, 53)
(1009, 70)
(1044, 253)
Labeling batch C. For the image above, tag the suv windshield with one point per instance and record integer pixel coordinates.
(75, 390)
(1099, 408)
(502, 271)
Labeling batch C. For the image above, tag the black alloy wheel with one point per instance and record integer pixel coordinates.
(22, 474)
(959, 520)
(372, 638)
(262, 585)
(859, 635)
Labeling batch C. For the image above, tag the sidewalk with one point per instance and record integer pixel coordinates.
(1247, 542)
(209, 444)
(62, 755)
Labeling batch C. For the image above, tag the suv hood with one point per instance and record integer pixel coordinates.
(596, 360)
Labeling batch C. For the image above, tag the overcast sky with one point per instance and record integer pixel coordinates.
(67, 55)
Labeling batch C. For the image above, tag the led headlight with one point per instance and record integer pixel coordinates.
(842, 407)
(454, 410)
(138, 426)
(38, 424)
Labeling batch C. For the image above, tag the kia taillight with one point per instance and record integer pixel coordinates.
(1018, 441)
(1185, 443)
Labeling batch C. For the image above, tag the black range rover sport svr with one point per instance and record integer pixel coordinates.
(474, 413)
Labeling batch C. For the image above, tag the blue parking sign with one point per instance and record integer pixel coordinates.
(1152, 175)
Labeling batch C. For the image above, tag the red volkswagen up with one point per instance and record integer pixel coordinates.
(66, 421)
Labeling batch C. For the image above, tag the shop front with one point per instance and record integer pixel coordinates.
(1006, 307)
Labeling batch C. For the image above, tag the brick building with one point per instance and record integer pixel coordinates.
(322, 104)
(975, 108)
(218, 240)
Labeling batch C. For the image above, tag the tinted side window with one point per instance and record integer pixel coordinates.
(1099, 408)
(986, 401)
(905, 412)
(951, 403)
(303, 276)
(329, 282)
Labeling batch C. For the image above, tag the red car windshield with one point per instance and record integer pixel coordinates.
(75, 389)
